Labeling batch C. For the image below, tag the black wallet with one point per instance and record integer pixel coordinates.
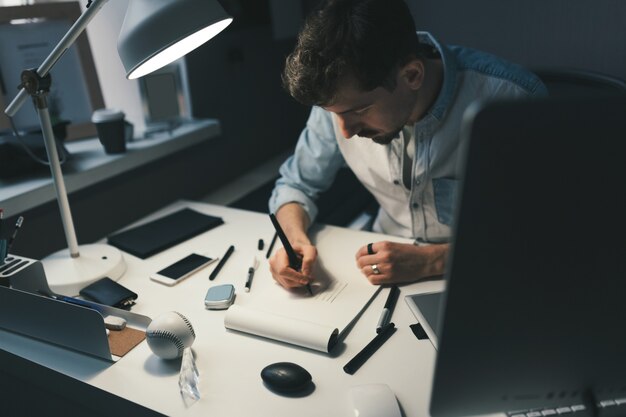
(108, 292)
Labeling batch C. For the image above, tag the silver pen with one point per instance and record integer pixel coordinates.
(394, 291)
(255, 265)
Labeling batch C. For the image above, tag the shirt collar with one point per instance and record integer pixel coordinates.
(444, 99)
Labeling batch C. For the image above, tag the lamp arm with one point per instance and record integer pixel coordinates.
(64, 44)
(36, 84)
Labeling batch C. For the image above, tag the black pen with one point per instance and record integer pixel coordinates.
(269, 250)
(361, 357)
(4, 253)
(18, 224)
(294, 261)
(219, 266)
(385, 315)
(255, 265)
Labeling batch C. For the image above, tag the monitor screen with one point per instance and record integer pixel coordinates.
(27, 36)
(534, 307)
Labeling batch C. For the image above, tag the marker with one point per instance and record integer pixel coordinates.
(361, 357)
(219, 266)
(261, 244)
(392, 297)
(294, 260)
(269, 250)
(18, 224)
(255, 265)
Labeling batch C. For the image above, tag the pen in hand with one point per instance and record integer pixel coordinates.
(219, 266)
(294, 260)
(255, 265)
(385, 315)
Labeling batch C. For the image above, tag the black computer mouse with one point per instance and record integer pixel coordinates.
(286, 377)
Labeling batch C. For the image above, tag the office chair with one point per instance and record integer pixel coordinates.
(565, 82)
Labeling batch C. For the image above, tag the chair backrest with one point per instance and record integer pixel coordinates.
(563, 82)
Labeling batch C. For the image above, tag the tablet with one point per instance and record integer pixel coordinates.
(427, 310)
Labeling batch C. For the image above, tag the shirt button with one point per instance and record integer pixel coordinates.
(415, 205)
(396, 182)
(418, 182)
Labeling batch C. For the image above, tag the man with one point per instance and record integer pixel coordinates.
(388, 102)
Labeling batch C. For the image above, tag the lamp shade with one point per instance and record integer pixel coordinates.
(157, 32)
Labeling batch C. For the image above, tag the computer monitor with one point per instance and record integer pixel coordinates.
(28, 34)
(534, 312)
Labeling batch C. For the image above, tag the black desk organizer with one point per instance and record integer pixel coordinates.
(163, 233)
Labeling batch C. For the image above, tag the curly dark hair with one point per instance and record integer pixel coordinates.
(362, 39)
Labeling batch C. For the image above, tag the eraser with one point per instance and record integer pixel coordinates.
(114, 323)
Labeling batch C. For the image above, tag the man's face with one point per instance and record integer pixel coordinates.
(378, 114)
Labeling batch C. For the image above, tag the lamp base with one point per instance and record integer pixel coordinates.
(67, 275)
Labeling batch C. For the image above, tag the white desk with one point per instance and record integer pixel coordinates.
(230, 362)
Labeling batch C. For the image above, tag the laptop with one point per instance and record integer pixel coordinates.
(533, 318)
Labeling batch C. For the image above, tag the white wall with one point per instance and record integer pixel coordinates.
(583, 34)
(117, 91)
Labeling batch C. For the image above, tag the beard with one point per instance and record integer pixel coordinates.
(381, 139)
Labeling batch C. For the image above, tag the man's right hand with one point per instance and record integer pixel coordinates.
(289, 277)
(294, 221)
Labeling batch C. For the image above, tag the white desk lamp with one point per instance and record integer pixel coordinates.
(154, 33)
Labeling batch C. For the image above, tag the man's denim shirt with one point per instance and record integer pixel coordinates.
(424, 212)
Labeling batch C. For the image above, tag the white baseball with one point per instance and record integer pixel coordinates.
(169, 334)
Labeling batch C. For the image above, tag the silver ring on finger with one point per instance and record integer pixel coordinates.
(375, 269)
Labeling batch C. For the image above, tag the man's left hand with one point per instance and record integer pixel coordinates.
(393, 262)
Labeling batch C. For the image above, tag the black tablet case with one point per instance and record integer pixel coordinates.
(153, 237)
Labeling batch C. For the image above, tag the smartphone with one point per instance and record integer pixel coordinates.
(179, 270)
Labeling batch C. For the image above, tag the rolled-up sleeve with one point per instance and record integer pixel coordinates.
(312, 168)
